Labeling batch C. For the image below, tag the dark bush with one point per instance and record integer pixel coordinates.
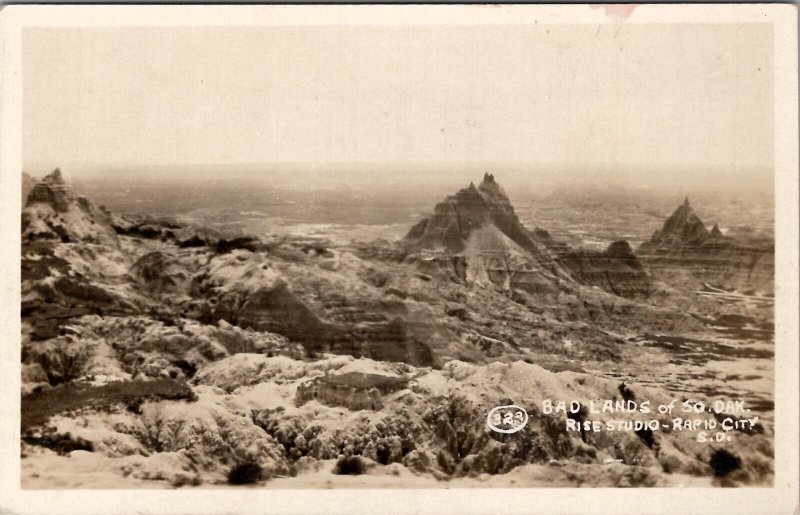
(458, 312)
(224, 246)
(723, 462)
(149, 232)
(350, 465)
(244, 474)
(580, 417)
(384, 454)
(167, 320)
(646, 436)
(60, 443)
(627, 393)
(135, 406)
(187, 368)
(194, 241)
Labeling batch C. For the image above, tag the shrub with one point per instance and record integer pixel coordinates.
(189, 369)
(627, 393)
(580, 417)
(65, 361)
(194, 241)
(350, 465)
(224, 246)
(245, 473)
(60, 443)
(723, 462)
(646, 436)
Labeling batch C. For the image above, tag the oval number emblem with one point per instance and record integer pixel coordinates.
(507, 419)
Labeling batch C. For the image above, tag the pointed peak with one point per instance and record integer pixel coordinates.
(683, 226)
(715, 231)
(51, 190)
(54, 177)
(490, 187)
(470, 191)
(457, 217)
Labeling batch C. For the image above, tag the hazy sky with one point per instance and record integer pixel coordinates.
(660, 96)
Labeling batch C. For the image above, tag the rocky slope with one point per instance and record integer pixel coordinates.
(51, 212)
(189, 357)
(408, 307)
(616, 270)
(252, 409)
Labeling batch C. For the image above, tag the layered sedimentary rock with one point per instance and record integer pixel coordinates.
(238, 289)
(280, 311)
(394, 340)
(354, 390)
(156, 309)
(52, 190)
(684, 227)
(53, 213)
(480, 240)
(684, 242)
(243, 290)
(616, 270)
(478, 226)
(458, 216)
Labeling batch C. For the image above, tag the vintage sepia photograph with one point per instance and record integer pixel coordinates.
(398, 255)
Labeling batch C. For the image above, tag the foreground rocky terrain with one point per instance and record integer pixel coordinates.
(165, 353)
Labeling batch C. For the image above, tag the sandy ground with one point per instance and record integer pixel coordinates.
(83, 469)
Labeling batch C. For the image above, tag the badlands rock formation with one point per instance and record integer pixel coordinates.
(685, 242)
(682, 228)
(353, 390)
(433, 427)
(458, 216)
(52, 213)
(487, 243)
(616, 270)
(165, 354)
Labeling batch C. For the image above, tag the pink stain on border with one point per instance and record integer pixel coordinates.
(617, 12)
